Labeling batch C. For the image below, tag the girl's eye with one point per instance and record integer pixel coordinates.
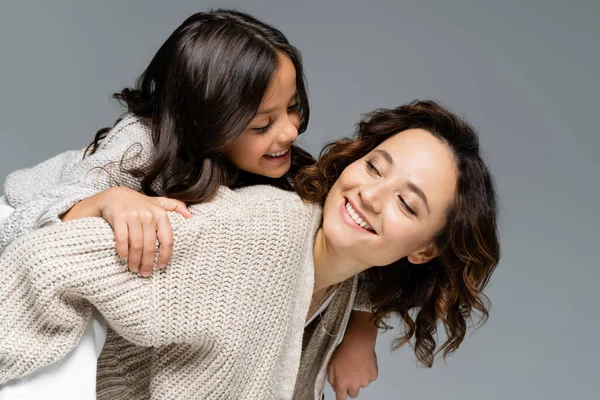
(372, 168)
(406, 206)
(295, 107)
(263, 129)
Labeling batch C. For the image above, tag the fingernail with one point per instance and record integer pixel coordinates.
(146, 274)
(162, 266)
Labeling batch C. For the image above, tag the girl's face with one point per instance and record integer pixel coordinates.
(264, 148)
(391, 203)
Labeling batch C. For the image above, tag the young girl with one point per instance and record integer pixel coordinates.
(221, 103)
(409, 195)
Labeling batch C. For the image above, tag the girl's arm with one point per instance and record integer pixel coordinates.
(127, 145)
(64, 181)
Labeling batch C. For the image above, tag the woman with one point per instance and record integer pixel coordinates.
(414, 199)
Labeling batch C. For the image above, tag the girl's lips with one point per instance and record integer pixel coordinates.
(280, 159)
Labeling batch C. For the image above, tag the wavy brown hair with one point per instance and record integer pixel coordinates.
(449, 288)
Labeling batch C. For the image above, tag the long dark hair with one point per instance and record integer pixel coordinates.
(199, 92)
(449, 288)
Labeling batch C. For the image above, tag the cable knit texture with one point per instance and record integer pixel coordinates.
(41, 194)
(225, 319)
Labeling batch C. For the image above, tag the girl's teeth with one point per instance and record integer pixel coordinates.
(278, 154)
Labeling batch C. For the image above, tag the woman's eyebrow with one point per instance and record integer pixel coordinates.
(385, 155)
(417, 190)
(413, 187)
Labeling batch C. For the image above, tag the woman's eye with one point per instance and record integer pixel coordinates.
(263, 129)
(406, 206)
(295, 107)
(372, 168)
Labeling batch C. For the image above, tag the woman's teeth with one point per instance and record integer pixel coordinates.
(279, 154)
(356, 218)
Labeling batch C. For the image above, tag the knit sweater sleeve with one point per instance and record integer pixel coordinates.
(64, 180)
(237, 288)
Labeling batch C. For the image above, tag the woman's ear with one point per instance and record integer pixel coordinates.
(422, 256)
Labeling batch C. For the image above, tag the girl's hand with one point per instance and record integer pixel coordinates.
(353, 365)
(138, 221)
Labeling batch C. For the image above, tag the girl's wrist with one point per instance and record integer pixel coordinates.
(90, 207)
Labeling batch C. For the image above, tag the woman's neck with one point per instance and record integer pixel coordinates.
(332, 265)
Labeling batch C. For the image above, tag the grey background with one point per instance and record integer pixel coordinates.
(523, 72)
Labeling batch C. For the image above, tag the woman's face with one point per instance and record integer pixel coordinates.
(391, 203)
(264, 148)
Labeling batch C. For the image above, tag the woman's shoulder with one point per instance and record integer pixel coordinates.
(274, 215)
(266, 194)
(262, 199)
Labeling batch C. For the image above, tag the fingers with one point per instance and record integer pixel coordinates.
(149, 243)
(340, 394)
(136, 241)
(121, 238)
(155, 225)
(164, 230)
(174, 205)
(138, 222)
(342, 388)
(164, 234)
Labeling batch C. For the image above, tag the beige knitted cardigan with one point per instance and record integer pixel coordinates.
(225, 319)
(223, 324)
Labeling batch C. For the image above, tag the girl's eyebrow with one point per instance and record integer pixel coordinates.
(270, 110)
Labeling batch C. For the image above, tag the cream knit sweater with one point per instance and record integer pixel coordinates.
(225, 319)
(41, 194)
